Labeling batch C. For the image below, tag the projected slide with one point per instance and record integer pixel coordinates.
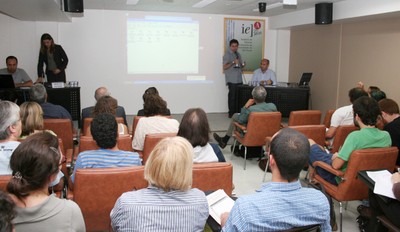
(162, 45)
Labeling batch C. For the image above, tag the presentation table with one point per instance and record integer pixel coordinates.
(69, 98)
(286, 99)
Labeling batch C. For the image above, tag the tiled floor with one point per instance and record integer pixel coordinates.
(247, 181)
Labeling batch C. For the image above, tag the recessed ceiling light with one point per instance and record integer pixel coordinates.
(203, 3)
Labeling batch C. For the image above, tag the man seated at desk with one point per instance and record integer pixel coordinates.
(20, 77)
(263, 75)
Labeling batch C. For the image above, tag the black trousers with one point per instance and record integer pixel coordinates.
(51, 77)
(390, 209)
(232, 97)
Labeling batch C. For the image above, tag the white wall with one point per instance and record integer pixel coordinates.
(95, 45)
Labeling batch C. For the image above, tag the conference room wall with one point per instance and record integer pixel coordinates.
(340, 55)
(95, 47)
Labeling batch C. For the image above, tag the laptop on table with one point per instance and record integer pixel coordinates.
(305, 79)
(6, 81)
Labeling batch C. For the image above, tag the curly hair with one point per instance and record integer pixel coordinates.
(104, 129)
(154, 105)
(106, 104)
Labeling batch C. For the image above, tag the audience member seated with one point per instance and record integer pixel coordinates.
(154, 109)
(108, 104)
(169, 203)
(255, 104)
(32, 119)
(7, 213)
(38, 94)
(366, 112)
(391, 119)
(149, 91)
(35, 164)
(32, 122)
(344, 115)
(20, 77)
(104, 129)
(195, 128)
(10, 130)
(276, 206)
(101, 92)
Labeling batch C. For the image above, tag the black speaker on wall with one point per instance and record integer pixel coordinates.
(323, 13)
(74, 6)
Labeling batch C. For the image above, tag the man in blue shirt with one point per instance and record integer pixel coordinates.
(263, 75)
(38, 93)
(281, 204)
(104, 129)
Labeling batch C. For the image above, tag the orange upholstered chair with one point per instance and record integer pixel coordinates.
(87, 121)
(341, 134)
(220, 173)
(314, 132)
(87, 143)
(64, 130)
(328, 117)
(150, 141)
(97, 189)
(259, 126)
(351, 188)
(4, 179)
(304, 117)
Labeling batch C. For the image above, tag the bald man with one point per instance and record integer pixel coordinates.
(263, 75)
(101, 92)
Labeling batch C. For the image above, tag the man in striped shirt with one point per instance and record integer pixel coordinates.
(104, 129)
(282, 203)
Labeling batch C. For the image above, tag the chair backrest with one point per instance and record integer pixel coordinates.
(134, 123)
(63, 129)
(304, 117)
(328, 117)
(261, 125)
(341, 134)
(219, 172)
(88, 121)
(4, 179)
(360, 160)
(97, 189)
(314, 132)
(150, 141)
(87, 143)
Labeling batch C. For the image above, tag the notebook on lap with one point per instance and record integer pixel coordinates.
(6, 81)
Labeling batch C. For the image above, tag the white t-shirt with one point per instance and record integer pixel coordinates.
(204, 154)
(152, 125)
(6, 150)
(343, 116)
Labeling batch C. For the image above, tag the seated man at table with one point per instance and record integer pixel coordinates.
(101, 92)
(366, 112)
(104, 129)
(277, 205)
(391, 119)
(255, 104)
(38, 93)
(20, 77)
(263, 75)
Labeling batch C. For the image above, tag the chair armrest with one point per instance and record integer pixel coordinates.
(240, 126)
(328, 168)
(69, 155)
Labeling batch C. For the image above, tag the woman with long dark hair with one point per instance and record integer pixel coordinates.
(55, 58)
(35, 164)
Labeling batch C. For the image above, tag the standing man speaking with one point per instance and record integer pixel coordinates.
(232, 64)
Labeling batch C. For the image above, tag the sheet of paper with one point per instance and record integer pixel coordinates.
(383, 182)
(219, 202)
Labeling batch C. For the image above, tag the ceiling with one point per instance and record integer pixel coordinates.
(49, 10)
